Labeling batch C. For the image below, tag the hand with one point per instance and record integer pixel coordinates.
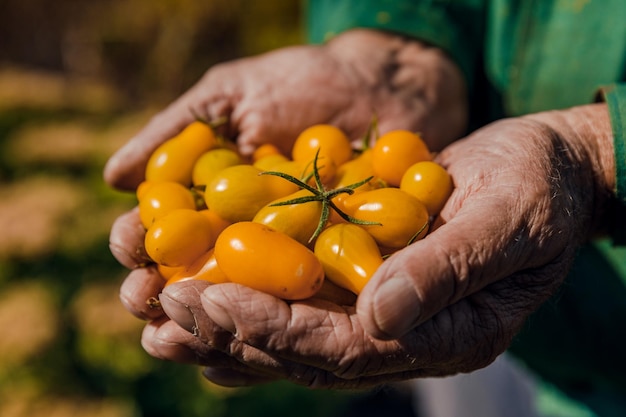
(273, 97)
(526, 193)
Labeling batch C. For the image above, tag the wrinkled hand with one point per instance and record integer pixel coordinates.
(273, 97)
(526, 193)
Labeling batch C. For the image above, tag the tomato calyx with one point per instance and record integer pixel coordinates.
(319, 193)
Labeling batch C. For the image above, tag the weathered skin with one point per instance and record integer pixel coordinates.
(528, 192)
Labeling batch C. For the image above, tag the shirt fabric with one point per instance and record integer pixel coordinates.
(520, 57)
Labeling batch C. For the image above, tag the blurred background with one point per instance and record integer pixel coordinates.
(77, 80)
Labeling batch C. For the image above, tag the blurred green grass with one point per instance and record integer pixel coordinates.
(73, 88)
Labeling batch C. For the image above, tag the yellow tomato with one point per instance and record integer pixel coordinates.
(174, 159)
(238, 192)
(326, 169)
(217, 223)
(212, 162)
(357, 170)
(402, 218)
(179, 238)
(161, 198)
(257, 256)
(268, 162)
(394, 152)
(430, 183)
(168, 272)
(141, 189)
(296, 220)
(279, 187)
(349, 255)
(264, 150)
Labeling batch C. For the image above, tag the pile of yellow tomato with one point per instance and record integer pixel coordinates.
(282, 224)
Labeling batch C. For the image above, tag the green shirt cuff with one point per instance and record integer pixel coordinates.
(455, 27)
(615, 98)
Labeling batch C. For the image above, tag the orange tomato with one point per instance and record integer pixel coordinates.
(168, 272)
(141, 189)
(430, 183)
(204, 268)
(264, 150)
(357, 170)
(402, 217)
(217, 223)
(264, 259)
(268, 162)
(349, 255)
(179, 238)
(394, 152)
(332, 143)
(174, 159)
(161, 198)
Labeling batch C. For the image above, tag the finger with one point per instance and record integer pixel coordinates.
(290, 333)
(139, 293)
(181, 303)
(429, 275)
(471, 250)
(276, 340)
(126, 240)
(126, 168)
(165, 339)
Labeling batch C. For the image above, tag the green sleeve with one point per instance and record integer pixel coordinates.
(615, 98)
(453, 26)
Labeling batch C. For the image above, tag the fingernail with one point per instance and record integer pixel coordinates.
(217, 313)
(396, 306)
(180, 313)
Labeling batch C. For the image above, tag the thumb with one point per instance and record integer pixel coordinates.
(417, 282)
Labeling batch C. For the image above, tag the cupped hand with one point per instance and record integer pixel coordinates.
(527, 191)
(274, 96)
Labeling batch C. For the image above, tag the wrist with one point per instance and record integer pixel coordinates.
(588, 137)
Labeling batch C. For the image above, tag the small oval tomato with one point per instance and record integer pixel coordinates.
(326, 169)
(179, 238)
(264, 150)
(168, 272)
(141, 189)
(211, 162)
(174, 159)
(331, 142)
(204, 268)
(161, 198)
(264, 259)
(278, 186)
(430, 183)
(268, 162)
(349, 255)
(217, 223)
(236, 193)
(402, 218)
(394, 152)
(357, 170)
(296, 220)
